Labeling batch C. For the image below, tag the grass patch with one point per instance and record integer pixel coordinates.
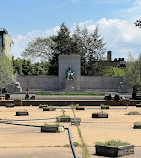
(51, 125)
(66, 145)
(99, 94)
(76, 144)
(115, 143)
(103, 105)
(42, 106)
(67, 116)
(138, 123)
(133, 113)
(84, 146)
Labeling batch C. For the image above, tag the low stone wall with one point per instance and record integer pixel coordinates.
(48, 83)
(100, 82)
(51, 83)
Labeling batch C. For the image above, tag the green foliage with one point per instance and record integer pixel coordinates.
(42, 106)
(113, 142)
(6, 71)
(51, 125)
(26, 67)
(137, 123)
(76, 144)
(102, 105)
(89, 46)
(114, 71)
(40, 48)
(133, 72)
(67, 116)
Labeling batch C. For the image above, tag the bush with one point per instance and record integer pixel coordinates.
(102, 105)
(115, 143)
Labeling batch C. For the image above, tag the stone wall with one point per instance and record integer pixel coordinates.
(48, 83)
(100, 82)
(51, 83)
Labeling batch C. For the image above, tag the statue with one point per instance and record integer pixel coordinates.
(69, 74)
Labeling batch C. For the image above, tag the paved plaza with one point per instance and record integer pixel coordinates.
(29, 142)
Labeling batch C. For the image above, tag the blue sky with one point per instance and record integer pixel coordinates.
(28, 19)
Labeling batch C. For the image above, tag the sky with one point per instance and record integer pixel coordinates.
(26, 20)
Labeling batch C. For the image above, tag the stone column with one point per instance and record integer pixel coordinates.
(64, 62)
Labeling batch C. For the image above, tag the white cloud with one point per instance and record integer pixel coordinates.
(21, 41)
(120, 36)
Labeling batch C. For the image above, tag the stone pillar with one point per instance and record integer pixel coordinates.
(64, 62)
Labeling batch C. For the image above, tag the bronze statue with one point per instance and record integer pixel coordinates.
(69, 74)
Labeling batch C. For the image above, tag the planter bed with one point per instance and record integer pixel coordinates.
(109, 151)
(80, 108)
(49, 109)
(42, 106)
(137, 126)
(99, 115)
(104, 107)
(63, 119)
(138, 105)
(22, 113)
(10, 105)
(49, 129)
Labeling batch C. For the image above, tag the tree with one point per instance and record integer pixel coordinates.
(64, 45)
(114, 71)
(89, 46)
(91, 49)
(26, 67)
(133, 73)
(138, 23)
(39, 48)
(6, 72)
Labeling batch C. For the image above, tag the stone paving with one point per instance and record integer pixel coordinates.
(29, 142)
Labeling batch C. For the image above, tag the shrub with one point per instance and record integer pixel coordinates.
(102, 105)
(115, 143)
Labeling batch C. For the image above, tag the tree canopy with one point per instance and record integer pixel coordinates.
(6, 71)
(89, 46)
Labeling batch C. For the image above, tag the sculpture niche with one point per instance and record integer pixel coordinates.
(69, 79)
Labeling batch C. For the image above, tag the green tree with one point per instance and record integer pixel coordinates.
(64, 45)
(39, 48)
(6, 72)
(134, 72)
(114, 71)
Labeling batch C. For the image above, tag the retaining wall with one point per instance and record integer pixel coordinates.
(51, 83)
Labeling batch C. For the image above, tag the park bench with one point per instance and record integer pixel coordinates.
(75, 121)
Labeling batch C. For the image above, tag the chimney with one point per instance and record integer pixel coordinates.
(109, 55)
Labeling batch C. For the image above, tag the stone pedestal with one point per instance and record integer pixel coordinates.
(74, 62)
